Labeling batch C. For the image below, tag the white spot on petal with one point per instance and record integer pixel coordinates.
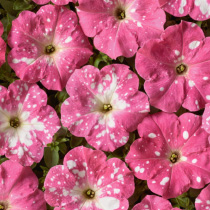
(185, 135)
(191, 83)
(157, 153)
(71, 164)
(198, 179)
(177, 52)
(69, 39)
(193, 45)
(152, 135)
(194, 161)
(164, 181)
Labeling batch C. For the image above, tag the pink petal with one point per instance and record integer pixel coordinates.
(202, 201)
(110, 41)
(58, 184)
(206, 118)
(198, 10)
(152, 202)
(57, 2)
(20, 188)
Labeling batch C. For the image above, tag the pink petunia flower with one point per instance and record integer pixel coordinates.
(197, 9)
(172, 155)
(87, 181)
(120, 26)
(176, 68)
(203, 200)
(206, 118)
(19, 188)
(57, 2)
(47, 46)
(153, 202)
(104, 106)
(2, 46)
(27, 123)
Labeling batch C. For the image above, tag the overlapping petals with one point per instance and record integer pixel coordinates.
(206, 118)
(176, 68)
(19, 188)
(120, 27)
(172, 154)
(57, 2)
(27, 124)
(197, 9)
(88, 181)
(152, 202)
(47, 46)
(104, 106)
(203, 199)
(2, 45)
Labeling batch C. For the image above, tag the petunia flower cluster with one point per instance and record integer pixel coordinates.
(58, 48)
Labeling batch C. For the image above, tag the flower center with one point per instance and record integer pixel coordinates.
(14, 122)
(120, 14)
(2, 207)
(90, 194)
(174, 157)
(107, 107)
(49, 49)
(181, 69)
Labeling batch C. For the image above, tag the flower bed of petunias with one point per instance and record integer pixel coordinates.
(104, 104)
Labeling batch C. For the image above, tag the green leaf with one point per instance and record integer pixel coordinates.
(6, 74)
(199, 23)
(3, 159)
(51, 157)
(102, 60)
(33, 165)
(76, 141)
(183, 201)
(62, 96)
(24, 5)
(63, 148)
(8, 6)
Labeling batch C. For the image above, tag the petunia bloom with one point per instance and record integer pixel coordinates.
(203, 199)
(153, 202)
(2, 46)
(57, 2)
(172, 154)
(47, 46)
(120, 26)
(19, 188)
(87, 181)
(104, 106)
(197, 9)
(176, 68)
(27, 123)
